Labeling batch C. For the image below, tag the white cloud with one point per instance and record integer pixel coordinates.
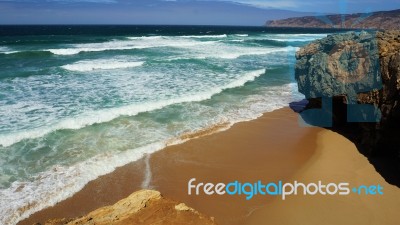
(271, 4)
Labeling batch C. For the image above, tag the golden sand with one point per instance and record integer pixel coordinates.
(271, 148)
(335, 160)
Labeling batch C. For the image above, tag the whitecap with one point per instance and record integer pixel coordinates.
(105, 115)
(102, 64)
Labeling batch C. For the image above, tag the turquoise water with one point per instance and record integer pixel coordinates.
(74, 106)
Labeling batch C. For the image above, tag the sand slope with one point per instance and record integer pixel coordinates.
(336, 160)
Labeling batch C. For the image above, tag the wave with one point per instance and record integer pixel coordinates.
(126, 45)
(183, 36)
(292, 39)
(25, 198)
(106, 115)
(307, 35)
(132, 43)
(205, 36)
(74, 51)
(301, 35)
(242, 35)
(102, 64)
(267, 42)
(160, 41)
(85, 65)
(27, 53)
(295, 37)
(10, 52)
(6, 50)
(146, 37)
(168, 41)
(46, 189)
(236, 53)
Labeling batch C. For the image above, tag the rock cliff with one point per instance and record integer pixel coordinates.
(354, 78)
(142, 207)
(376, 20)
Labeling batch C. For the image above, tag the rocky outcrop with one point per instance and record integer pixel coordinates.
(356, 78)
(376, 20)
(141, 207)
(338, 65)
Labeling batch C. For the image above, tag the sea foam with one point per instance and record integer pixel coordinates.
(295, 37)
(92, 117)
(131, 43)
(102, 64)
(205, 36)
(24, 198)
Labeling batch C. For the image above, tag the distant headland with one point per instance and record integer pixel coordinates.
(385, 20)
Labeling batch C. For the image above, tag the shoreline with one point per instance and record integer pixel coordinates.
(193, 155)
(270, 148)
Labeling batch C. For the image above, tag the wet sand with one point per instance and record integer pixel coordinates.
(271, 148)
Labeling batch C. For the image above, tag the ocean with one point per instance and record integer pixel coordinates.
(78, 101)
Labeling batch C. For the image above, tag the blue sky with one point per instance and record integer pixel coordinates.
(196, 12)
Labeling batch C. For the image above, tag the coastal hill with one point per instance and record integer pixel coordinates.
(387, 20)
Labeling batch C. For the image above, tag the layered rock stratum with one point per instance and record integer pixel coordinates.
(143, 207)
(354, 69)
(375, 20)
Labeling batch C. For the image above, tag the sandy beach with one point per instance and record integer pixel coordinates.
(271, 148)
(335, 160)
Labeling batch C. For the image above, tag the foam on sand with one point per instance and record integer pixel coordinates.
(60, 182)
(24, 198)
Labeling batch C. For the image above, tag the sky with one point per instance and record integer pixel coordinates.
(186, 12)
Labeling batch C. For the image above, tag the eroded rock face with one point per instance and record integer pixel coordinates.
(142, 207)
(339, 65)
(389, 55)
(356, 68)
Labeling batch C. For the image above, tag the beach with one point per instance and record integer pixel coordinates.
(335, 160)
(271, 148)
(117, 116)
(91, 103)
